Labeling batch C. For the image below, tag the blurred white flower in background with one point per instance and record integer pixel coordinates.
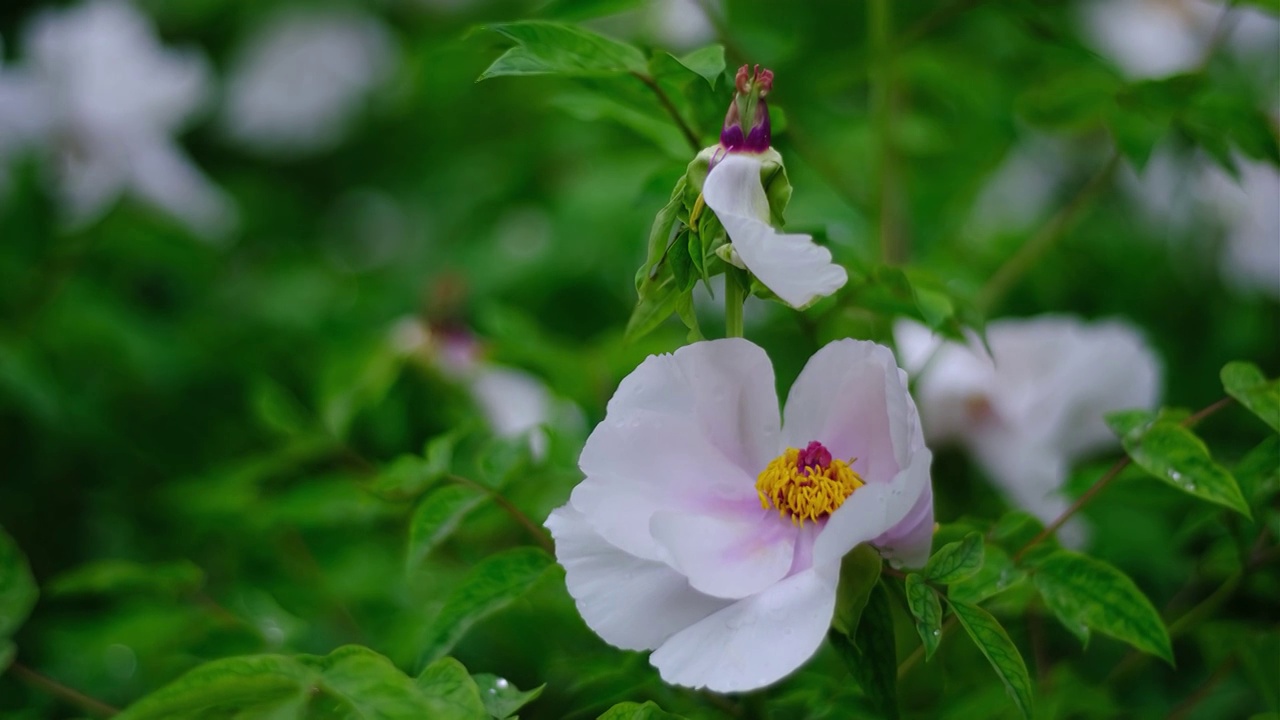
(1158, 38)
(1176, 193)
(681, 24)
(1019, 194)
(110, 98)
(513, 402)
(1035, 406)
(303, 77)
(23, 115)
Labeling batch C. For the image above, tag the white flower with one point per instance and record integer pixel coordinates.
(791, 265)
(23, 115)
(513, 403)
(709, 530)
(1175, 193)
(1036, 404)
(114, 97)
(303, 77)
(1157, 38)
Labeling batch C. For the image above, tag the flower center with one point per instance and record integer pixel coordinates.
(806, 484)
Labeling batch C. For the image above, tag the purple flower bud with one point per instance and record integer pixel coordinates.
(751, 85)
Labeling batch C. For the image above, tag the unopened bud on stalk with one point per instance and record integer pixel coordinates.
(752, 86)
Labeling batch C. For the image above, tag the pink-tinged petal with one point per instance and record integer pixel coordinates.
(632, 603)
(686, 432)
(731, 555)
(908, 544)
(852, 398)
(875, 511)
(792, 266)
(755, 641)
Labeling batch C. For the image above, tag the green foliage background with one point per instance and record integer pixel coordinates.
(214, 451)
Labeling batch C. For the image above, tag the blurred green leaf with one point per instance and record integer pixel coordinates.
(987, 633)
(1246, 383)
(1086, 593)
(1172, 453)
(1259, 470)
(707, 62)
(870, 655)
(278, 409)
(550, 48)
(593, 107)
(1016, 528)
(859, 573)
(636, 711)
(437, 516)
(452, 691)
(408, 476)
(955, 561)
(927, 610)
(17, 587)
(583, 9)
(8, 651)
(351, 682)
(259, 684)
(491, 585)
(125, 577)
(501, 698)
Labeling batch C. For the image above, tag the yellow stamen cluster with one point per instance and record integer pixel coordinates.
(805, 493)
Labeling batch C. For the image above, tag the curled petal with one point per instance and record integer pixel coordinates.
(755, 641)
(632, 603)
(877, 511)
(792, 266)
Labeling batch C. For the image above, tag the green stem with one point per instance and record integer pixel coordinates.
(733, 299)
(879, 23)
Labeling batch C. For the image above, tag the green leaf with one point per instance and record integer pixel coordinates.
(452, 691)
(125, 577)
(278, 409)
(870, 654)
(955, 561)
(1259, 470)
(501, 698)
(1246, 383)
(636, 711)
(17, 587)
(350, 682)
(997, 575)
(366, 685)
(593, 107)
(927, 610)
(408, 476)
(994, 642)
(490, 586)
(652, 310)
(256, 683)
(662, 235)
(583, 9)
(707, 62)
(1172, 453)
(859, 573)
(1085, 592)
(437, 516)
(7, 652)
(551, 48)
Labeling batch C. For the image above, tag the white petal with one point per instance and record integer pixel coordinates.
(730, 555)
(952, 380)
(909, 542)
(755, 641)
(1029, 473)
(632, 603)
(791, 265)
(514, 403)
(852, 397)
(165, 177)
(878, 511)
(687, 432)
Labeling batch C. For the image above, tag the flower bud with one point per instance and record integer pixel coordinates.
(748, 102)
